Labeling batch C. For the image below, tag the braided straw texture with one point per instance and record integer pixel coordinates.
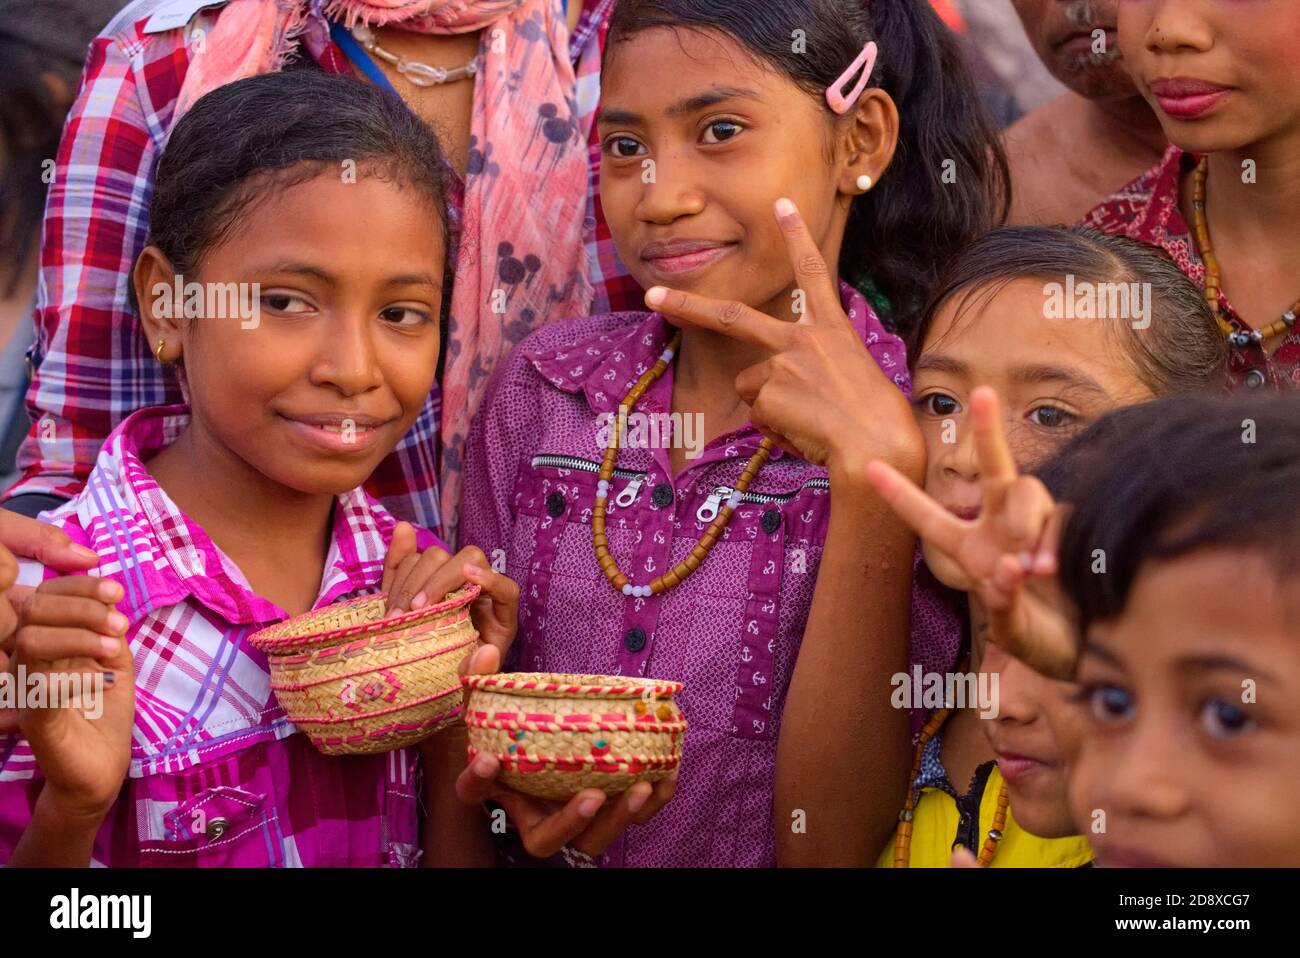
(555, 735)
(354, 682)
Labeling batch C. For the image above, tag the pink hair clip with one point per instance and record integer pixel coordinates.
(866, 61)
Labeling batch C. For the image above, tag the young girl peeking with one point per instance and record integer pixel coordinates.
(1179, 497)
(1224, 201)
(991, 326)
(988, 325)
(320, 203)
(699, 564)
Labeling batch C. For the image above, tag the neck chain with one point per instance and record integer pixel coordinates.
(420, 74)
(700, 550)
(903, 834)
(1238, 338)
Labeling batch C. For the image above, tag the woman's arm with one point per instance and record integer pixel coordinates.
(842, 756)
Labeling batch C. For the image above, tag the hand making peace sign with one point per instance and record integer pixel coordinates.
(821, 394)
(1011, 544)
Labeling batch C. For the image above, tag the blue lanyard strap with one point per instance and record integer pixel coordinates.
(356, 53)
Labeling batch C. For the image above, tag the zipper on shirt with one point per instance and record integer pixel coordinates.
(624, 499)
(706, 513)
(709, 510)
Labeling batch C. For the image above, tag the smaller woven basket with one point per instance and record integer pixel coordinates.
(354, 682)
(555, 735)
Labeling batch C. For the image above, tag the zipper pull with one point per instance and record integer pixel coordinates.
(628, 495)
(709, 511)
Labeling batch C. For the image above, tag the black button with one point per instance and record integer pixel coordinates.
(771, 520)
(663, 495)
(555, 504)
(634, 640)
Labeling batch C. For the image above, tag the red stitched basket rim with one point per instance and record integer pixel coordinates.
(271, 639)
(607, 686)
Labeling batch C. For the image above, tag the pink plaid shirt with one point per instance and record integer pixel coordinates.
(210, 744)
(92, 364)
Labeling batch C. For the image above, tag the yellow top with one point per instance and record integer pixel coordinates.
(934, 828)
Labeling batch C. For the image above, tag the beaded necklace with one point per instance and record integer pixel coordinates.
(700, 550)
(903, 834)
(1238, 338)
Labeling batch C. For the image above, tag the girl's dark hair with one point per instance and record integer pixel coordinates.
(249, 138)
(924, 208)
(1180, 351)
(1167, 478)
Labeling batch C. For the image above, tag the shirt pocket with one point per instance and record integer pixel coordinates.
(218, 827)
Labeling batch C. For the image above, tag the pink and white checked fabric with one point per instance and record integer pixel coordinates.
(210, 741)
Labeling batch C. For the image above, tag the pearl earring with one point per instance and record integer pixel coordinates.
(864, 182)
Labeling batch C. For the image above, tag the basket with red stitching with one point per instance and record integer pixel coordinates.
(555, 735)
(355, 682)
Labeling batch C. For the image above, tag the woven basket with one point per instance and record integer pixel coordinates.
(555, 735)
(354, 682)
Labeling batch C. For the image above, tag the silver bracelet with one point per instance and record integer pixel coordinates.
(577, 859)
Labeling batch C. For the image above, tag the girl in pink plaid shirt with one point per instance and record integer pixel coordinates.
(294, 280)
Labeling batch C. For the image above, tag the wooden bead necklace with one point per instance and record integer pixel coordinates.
(701, 549)
(1238, 338)
(903, 834)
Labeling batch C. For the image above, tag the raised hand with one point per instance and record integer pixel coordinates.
(1007, 554)
(820, 395)
(415, 579)
(69, 631)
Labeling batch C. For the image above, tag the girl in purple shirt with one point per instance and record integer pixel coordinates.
(696, 559)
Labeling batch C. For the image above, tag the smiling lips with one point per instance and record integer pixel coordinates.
(1186, 99)
(337, 432)
(676, 257)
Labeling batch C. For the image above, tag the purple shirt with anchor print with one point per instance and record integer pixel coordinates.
(730, 632)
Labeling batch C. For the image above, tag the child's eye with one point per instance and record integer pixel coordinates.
(404, 316)
(284, 303)
(939, 404)
(623, 147)
(1107, 703)
(1052, 417)
(1225, 720)
(721, 130)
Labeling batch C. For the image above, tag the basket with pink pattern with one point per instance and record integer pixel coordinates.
(355, 682)
(555, 735)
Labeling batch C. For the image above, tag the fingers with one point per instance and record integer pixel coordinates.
(613, 819)
(32, 539)
(69, 607)
(484, 660)
(415, 581)
(962, 858)
(38, 645)
(543, 831)
(930, 521)
(812, 274)
(475, 785)
(402, 545)
(664, 789)
(1027, 507)
(1045, 560)
(502, 600)
(725, 317)
(997, 465)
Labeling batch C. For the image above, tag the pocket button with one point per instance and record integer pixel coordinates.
(663, 495)
(555, 504)
(216, 828)
(771, 520)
